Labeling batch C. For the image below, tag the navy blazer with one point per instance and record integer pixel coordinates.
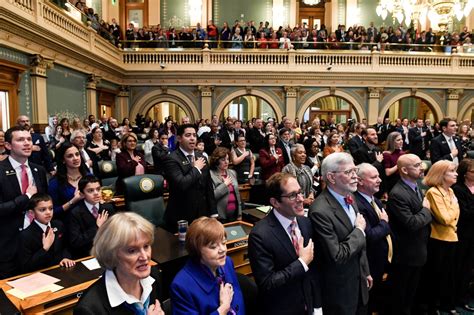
(440, 150)
(195, 290)
(376, 232)
(282, 281)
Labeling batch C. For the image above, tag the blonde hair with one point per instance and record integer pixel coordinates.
(435, 176)
(202, 232)
(117, 232)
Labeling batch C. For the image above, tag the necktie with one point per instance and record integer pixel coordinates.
(388, 237)
(294, 237)
(422, 141)
(24, 179)
(191, 159)
(452, 146)
(418, 193)
(95, 212)
(350, 213)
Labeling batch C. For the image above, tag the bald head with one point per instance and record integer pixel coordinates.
(23, 121)
(410, 167)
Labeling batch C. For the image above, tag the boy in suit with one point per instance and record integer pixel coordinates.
(42, 243)
(87, 216)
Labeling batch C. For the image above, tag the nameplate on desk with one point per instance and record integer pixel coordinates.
(235, 232)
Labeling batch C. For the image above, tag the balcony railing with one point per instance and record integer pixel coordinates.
(79, 35)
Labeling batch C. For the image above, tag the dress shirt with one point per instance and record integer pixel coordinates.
(87, 158)
(285, 223)
(90, 206)
(348, 209)
(452, 145)
(43, 226)
(117, 295)
(17, 167)
(190, 153)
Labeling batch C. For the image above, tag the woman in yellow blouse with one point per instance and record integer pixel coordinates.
(439, 270)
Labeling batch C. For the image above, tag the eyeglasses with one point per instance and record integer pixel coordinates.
(348, 172)
(417, 165)
(292, 196)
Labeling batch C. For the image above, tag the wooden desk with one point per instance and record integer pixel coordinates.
(252, 215)
(74, 280)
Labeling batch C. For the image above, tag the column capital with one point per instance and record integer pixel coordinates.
(206, 90)
(124, 91)
(39, 65)
(164, 89)
(453, 94)
(291, 91)
(374, 92)
(93, 80)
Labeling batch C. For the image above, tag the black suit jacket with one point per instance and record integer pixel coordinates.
(159, 152)
(286, 156)
(355, 143)
(41, 157)
(284, 286)
(376, 232)
(255, 139)
(12, 209)
(440, 150)
(365, 155)
(466, 217)
(417, 141)
(341, 250)
(410, 224)
(386, 130)
(191, 193)
(83, 227)
(225, 138)
(32, 256)
(96, 302)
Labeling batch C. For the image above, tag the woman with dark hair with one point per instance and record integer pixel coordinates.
(311, 146)
(65, 131)
(129, 161)
(302, 172)
(270, 157)
(207, 284)
(390, 159)
(226, 187)
(98, 145)
(126, 122)
(333, 144)
(243, 160)
(63, 187)
(153, 136)
(464, 191)
(170, 130)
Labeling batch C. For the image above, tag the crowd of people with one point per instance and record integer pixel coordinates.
(350, 197)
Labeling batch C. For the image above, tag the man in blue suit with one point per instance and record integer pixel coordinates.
(377, 230)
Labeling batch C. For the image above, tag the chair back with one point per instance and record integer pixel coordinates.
(108, 173)
(144, 195)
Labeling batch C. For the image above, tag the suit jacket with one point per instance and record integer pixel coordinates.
(12, 208)
(41, 157)
(466, 207)
(95, 301)
(376, 232)
(159, 152)
(410, 224)
(83, 227)
(255, 139)
(221, 193)
(268, 163)
(286, 155)
(355, 143)
(341, 248)
(225, 138)
(417, 141)
(195, 290)
(440, 150)
(283, 285)
(32, 255)
(386, 130)
(365, 155)
(190, 192)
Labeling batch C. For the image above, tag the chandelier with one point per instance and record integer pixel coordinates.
(439, 12)
(311, 2)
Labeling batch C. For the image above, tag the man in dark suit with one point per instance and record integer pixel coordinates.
(369, 152)
(419, 139)
(446, 146)
(256, 136)
(284, 144)
(387, 128)
(190, 186)
(377, 231)
(159, 152)
(281, 252)
(39, 154)
(19, 180)
(212, 139)
(87, 216)
(356, 141)
(228, 135)
(410, 220)
(340, 239)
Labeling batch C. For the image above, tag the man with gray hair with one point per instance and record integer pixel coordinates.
(377, 230)
(78, 138)
(340, 239)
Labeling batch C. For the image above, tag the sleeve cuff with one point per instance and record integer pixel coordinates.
(361, 230)
(306, 268)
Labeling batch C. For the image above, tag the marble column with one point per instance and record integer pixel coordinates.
(39, 67)
(374, 104)
(122, 103)
(291, 97)
(91, 94)
(206, 101)
(453, 102)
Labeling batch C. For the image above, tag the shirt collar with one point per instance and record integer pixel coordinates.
(367, 197)
(15, 164)
(43, 226)
(117, 295)
(186, 153)
(339, 198)
(410, 184)
(89, 206)
(284, 221)
(446, 137)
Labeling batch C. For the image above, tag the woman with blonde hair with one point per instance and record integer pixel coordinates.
(438, 277)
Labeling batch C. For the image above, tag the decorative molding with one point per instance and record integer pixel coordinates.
(92, 81)
(206, 90)
(39, 65)
(374, 92)
(164, 89)
(248, 89)
(124, 91)
(413, 91)
(291, 91)
(332, 90)
(454, 94)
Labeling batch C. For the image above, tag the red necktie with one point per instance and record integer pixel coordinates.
(24, 179)
(95, 212)
(294, 238)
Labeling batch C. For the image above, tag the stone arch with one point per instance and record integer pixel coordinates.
(253, 92)
(464, 108)
(434, 105)
(144, 103)
(360, 113)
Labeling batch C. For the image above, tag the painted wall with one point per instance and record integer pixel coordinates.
(66, 92)
(173, 13)
(245, 10)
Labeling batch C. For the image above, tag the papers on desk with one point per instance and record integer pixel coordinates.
(264, 209)
(33, 284)
(91, 264)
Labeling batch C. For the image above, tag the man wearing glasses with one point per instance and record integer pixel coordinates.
(340, 239)
(281, 253)
(410, 220)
